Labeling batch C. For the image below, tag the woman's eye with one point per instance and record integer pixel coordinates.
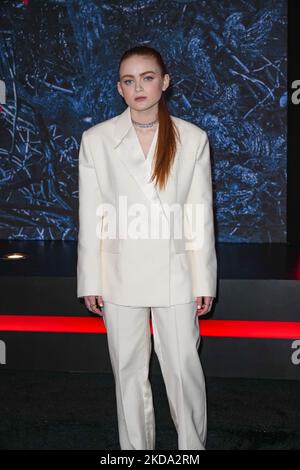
(146, 78)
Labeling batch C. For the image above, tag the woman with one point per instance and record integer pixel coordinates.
(148, 160)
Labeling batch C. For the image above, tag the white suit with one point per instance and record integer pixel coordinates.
(158, 275)
(143, 272)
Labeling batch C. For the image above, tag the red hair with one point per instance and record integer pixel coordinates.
(166, 145)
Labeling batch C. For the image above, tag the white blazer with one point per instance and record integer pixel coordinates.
(146, 271)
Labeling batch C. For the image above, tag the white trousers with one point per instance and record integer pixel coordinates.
(176, 341)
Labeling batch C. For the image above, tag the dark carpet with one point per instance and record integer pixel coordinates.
(62, 410)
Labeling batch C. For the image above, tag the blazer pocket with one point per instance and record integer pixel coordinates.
(110, 245)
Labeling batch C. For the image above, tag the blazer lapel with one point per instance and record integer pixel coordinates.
(131, 154)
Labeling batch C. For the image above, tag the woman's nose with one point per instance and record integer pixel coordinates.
(138, 87)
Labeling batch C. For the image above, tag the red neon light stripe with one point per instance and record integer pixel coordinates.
(225, 328)
(52, 324)
(250, 329)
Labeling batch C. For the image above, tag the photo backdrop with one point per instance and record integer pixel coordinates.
(58, 63)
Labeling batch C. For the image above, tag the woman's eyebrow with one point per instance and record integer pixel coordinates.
(144, 73)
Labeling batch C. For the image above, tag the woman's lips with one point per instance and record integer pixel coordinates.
(140, 98)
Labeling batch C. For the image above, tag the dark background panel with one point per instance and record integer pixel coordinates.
(228, 64)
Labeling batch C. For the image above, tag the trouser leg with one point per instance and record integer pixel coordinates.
(176, 343)
(129, 343)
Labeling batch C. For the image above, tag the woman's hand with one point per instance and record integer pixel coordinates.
(203, 305)
(93, 302)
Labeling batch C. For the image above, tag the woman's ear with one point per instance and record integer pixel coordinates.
(119, 89)
(166, 80)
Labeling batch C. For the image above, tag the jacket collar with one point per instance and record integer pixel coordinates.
(123, 124)
(130, 153)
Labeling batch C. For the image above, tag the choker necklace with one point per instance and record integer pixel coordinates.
(141, 124)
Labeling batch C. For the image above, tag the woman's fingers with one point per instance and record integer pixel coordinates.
(203, 305)
(91, 304)
(100, 301)
(101, 304)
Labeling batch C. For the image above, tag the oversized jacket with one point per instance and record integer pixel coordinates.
(143, 270)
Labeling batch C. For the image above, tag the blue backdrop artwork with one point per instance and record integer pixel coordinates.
(228, 65)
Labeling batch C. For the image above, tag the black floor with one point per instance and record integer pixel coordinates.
(61, 410)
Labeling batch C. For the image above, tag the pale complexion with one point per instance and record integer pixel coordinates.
(141, 76)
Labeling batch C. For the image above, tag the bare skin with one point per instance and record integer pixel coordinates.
(92, 300)
(145, 138)
(135, 82)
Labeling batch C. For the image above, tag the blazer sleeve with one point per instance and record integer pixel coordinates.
(89, 278)
(202, 252)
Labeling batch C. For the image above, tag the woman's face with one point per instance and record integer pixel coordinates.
(141, 76)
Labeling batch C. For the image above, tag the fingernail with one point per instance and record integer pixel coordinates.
(198, 306)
